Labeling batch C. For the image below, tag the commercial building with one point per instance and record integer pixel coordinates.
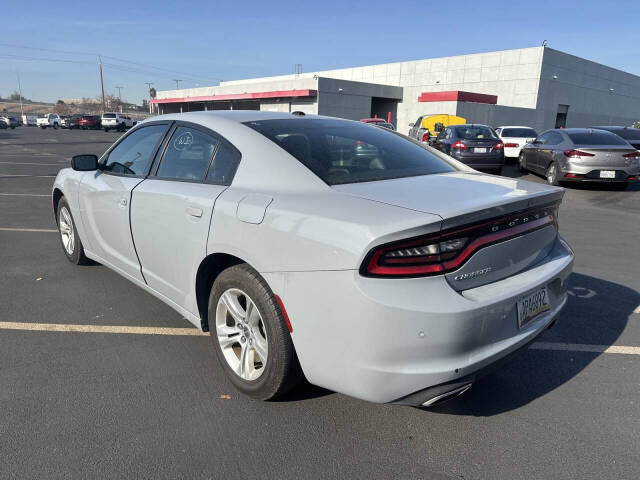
(538, 86)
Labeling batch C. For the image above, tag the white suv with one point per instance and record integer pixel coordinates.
(117, 121)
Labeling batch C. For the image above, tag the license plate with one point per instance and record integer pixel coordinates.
(607, 174)
(532, 305)
(479, 150)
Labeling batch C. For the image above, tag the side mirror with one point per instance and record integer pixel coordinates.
(84, 163)
(411, 124)
(531, 140)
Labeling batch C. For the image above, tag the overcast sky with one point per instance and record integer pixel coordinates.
(202, 42)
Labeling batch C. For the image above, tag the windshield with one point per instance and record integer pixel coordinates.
(519, 132)
(475, 132)
(341, 151)
(594, 137)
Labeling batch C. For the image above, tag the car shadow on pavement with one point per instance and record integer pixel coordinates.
(596, 314)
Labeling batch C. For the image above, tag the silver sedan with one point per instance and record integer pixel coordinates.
(581, 154)
(371, 264)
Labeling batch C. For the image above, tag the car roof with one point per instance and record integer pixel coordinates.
(615, 127)
(575, 130)
(515, 126)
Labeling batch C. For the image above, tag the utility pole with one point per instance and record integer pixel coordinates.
(148, 84)
(120, 97)
(20, 93)
(101, 83)
(177, 83)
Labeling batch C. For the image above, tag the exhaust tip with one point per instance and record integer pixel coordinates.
(443, 397)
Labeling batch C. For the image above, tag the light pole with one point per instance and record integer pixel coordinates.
(101, 83)
(120, 97)
(177, 83)
(20, 93)
(149, 84)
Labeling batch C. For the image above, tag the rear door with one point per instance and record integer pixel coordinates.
(105, 196)
(171, 209)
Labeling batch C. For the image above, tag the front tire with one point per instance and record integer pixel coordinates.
(69, 238)
(250, 335)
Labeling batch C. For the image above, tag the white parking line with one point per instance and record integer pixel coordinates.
(60, 327)
(577, 347)
(31, 163)
(194, 332)
(25, 195)
(10, 175)
(41, 230)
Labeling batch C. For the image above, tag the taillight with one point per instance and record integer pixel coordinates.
(577, 153)
(458, 145)
(425, 137)
(632, 155)
(448, 250)
(573, 175)
(510, 145)
(499, 146)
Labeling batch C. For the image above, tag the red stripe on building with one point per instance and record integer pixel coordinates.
(239, 96)
(457, 96)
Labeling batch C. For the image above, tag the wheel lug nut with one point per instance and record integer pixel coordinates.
(243, 339)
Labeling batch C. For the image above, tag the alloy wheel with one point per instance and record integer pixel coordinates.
(551, 174)
(241, 334)
(66, 230)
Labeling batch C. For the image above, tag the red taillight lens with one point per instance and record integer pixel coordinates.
(577, 153)
(511, 145)
(632, 155)
(499, 146)
(458, 145)
(573, 175)
(425, 137)
(448, 250)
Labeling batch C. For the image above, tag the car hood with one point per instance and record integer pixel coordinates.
(457, 197)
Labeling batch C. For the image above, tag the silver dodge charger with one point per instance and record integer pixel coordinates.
(368, 262)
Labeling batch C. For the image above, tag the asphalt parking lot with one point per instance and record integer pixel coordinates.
(153, 403)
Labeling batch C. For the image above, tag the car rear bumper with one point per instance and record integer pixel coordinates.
(512, 152)
(591, 173)
(383, 340)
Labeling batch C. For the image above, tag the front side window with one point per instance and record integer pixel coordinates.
(188, 154)
(341, 151)
(133, 154)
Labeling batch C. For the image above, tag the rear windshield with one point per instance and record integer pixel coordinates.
(519, 132)
(341, 151)
(596, 138)
(475, 132)
(629, 134)
(109, 115)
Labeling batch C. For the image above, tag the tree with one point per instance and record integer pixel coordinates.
(636, 124)
(61, 108)
(152, 92)
(16, 97)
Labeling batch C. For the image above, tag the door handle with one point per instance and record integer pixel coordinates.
(123, 201)
(194, 212)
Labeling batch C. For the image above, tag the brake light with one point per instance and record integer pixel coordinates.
(573, 175)
(425, 137)
(458, 145)
(499, 146)
(632, 155)
(510, 145)
(448, 250)
(577, 153)
(632, 178)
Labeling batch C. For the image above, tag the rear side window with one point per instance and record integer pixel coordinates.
(596, 138)
(519, 133)
(133, 154)
(341, 151)
(188, 155)
(224, 165)
(109, 115)
(475, 132)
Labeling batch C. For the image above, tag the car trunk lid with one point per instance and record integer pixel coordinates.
(465, 200)
(604, 155)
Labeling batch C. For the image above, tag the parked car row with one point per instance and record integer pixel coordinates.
(108, 121)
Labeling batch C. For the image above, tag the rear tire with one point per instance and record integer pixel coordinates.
(44, 127)
(69, 238)
(552, 174)
(241, 333)
(106, 129)
(521, 166)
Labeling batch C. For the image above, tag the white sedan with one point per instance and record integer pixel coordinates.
(370, 264)
(514, 138)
